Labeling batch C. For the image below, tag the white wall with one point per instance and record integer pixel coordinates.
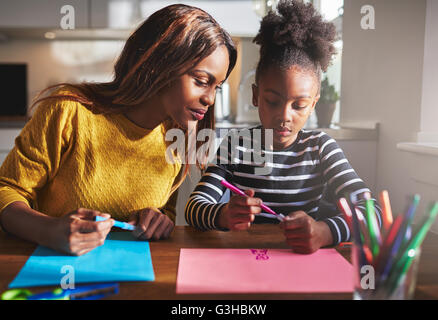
(429, 109)
(382, 81)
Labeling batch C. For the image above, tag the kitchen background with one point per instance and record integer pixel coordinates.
(385, 119)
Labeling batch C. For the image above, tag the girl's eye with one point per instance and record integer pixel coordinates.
(299, 107)
(271, 103)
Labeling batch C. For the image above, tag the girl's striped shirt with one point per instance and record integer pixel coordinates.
(303, 176)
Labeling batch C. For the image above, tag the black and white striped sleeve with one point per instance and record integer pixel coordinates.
(203, 207)
(342, 181)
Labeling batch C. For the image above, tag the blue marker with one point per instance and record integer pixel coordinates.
(118, 224)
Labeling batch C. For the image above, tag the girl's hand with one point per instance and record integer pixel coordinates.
(151, 224)
(77, 233)
(304, 234)
(239, 212)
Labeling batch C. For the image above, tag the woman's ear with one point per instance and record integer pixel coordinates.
(255, 95)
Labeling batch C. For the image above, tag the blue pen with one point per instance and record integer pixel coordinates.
(118, 224)
(357, 239)
(393, 251)
(410, 217)
(400, 239)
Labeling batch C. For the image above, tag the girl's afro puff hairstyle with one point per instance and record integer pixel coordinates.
(296, 35)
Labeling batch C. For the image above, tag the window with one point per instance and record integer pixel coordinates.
(332, 10)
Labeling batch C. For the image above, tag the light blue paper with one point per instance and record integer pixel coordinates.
(120, 258)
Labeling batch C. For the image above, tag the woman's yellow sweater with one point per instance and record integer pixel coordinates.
(67, 157)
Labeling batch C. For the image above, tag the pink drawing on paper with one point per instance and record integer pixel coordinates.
(261, 254)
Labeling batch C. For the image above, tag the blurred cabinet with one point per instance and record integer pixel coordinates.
(41, 13)
(238, 17)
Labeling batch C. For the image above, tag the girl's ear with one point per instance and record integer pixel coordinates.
(315, 101)
(255, 95)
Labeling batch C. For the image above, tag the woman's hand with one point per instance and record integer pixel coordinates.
(77, 233)
(239, 212)
(304, 234)
(151, 224)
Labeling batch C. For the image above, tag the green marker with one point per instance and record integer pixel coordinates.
(373, 227)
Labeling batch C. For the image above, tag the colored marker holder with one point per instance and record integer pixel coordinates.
(385, 258)
(403, 290)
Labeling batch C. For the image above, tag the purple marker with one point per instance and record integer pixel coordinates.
(236, 190)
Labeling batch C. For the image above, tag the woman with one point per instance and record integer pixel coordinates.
(99, 148)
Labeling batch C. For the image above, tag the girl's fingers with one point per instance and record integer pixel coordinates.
(245, 210)
(243, 218)
(246, 201)
(242, 226)
(252, 210)
(298, 242)
(296, 233)
(302, 249)
(295, 223)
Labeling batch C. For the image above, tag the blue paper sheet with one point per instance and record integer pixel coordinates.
(120, 258)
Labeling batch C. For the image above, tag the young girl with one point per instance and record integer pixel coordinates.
(99, 148)
(296, 46)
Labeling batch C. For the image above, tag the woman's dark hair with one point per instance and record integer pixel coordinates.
(167, 45)
(295, 35)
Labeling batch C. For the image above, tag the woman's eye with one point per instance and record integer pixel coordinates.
(201, 83)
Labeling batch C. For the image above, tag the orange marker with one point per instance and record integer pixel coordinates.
(368, 254)
(345, 244)
(386, 208)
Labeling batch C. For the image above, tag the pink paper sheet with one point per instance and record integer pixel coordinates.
(262, 271)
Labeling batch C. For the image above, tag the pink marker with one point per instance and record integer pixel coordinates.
(236, 190)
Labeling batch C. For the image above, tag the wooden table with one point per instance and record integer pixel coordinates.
(165, 256)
